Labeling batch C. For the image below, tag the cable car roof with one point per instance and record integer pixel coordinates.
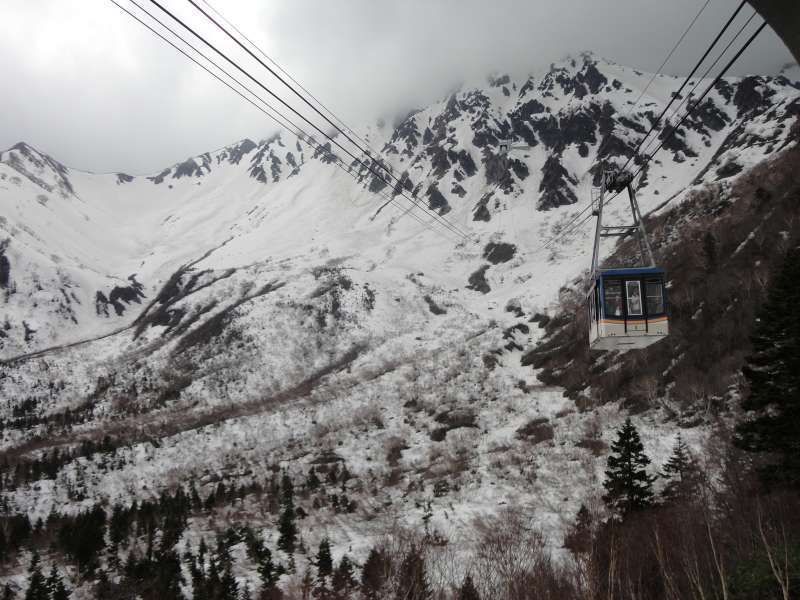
(631, 272)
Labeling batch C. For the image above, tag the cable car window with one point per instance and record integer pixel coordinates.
(613, 298)
(633, 290)
(655, 298)
(596, 300)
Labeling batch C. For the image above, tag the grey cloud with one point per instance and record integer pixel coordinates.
(96, 90)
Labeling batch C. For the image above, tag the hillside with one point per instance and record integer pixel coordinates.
(254, 309)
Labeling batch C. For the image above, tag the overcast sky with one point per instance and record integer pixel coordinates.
(85, 83)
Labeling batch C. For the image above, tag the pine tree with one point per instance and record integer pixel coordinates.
(628, 486)
(37, 587)
(8, 593)
(373, 574)
(287, 489)
(229, 588)
(324, 560)
(773, 375)
(413, 580)
(681, 473)
(468, 591)
(55, 586)
(343, 582)
(246, 595)
(578, 539)
(287, 529)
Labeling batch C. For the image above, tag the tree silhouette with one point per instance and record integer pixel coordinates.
(773, 374)
(37, 587)
(468, 590)
(628, 486)
(681, 473)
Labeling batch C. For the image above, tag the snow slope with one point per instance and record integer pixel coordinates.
(256, 306)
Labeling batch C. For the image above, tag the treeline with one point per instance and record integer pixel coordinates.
(131, 551)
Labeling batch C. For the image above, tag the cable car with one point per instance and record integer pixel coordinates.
(628, 306)
(627, 309)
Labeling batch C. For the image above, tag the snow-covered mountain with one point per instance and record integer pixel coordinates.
(83, 254)
(256, 305)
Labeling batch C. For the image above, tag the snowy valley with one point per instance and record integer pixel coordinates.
(254, 313)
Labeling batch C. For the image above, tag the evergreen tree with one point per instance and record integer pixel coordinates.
(373, 574)
(287, 528)
(681, 473)
(773, 375)
(413, 580)
(55, 586)
(37, 587)
(468, 591)
(579, 537)
(324, 560)
(229, 587)
(287, 489)
(246, 593)
(628, 486)
(8, 593)
(343, 582)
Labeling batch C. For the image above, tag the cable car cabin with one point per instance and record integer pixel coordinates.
(627, 309)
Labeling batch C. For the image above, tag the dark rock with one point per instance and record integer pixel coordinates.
(157, 179)
(554, 187)
(433, 307)
(751, 94)
(480, 212)
(458, 190)
(324, 153)
(235, 153)
(436, 201)
(119, 298)
(123, 178)
(500, 252)
(477, 281)
(729, 169)
(592, 77)
(190, 168)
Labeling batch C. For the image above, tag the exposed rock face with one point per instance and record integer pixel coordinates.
(555, 189)
(119, 298)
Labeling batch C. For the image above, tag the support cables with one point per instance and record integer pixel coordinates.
(296, 93)
(671, 132)
(656, 74)
(284, 72)
(436, 216)
(270, 111)
(686, 81)
(703, 77)
(573, 224)
(696, 103)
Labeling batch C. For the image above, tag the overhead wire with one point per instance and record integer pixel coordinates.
(696, 103)
(275, 115)
(284, 72)
(574, 224)
(305, 101)
(652, 79)
(686, 81)
(690, 94)
(436, 216)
